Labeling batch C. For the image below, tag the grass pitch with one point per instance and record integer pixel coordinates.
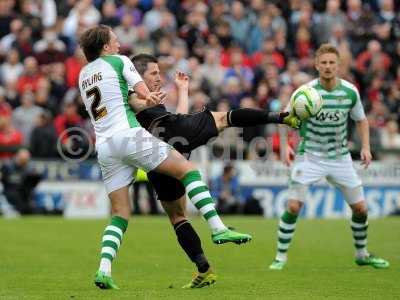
(54, 258)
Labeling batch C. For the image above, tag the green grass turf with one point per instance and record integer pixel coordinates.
(53, 258)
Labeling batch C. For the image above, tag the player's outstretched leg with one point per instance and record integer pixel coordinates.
(111, 242)
(178, 167)
(359, 226)
(287, 225)
(200, 196)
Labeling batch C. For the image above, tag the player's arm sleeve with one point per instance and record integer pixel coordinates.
(133, 78)
(129, 72)
(357, 112)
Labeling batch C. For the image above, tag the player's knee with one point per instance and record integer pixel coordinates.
(360, 209)
(177, 216)
(187, 166)
(221, 120)
(294, 206)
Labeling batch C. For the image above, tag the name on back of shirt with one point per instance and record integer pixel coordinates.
(91, 80)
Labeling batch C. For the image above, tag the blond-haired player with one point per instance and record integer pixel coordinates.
(323, 153)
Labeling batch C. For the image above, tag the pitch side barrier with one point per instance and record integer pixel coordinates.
(77, 190)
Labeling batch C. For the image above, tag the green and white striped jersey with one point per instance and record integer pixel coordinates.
(103, 84)
(325, 135)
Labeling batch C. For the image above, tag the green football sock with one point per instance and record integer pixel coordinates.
(287, 225)
(112, 238)
(199, 195)
(359, 226)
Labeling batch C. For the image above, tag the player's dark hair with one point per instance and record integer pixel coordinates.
(93, 40)
(141, 60)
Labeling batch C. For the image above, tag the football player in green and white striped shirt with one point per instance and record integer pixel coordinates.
(323, 152)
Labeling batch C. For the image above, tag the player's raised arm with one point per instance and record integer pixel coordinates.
(182, 83)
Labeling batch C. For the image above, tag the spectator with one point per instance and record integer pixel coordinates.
(23, 42)
(179, 54)
(232, 91)
(25, 115)
(390, 140)
(143, 42)
(226, 190)
(386, 13)
(392, 101)
(373, 52)
(223, 33)
(260, 32)
(243, 73)
(73, 66)
(269, 54)
(30, 77)
(30, 15)
(216, 13)
(109, 11)
(195, 32)
(383, 33)
(50, 49)
(126, 33)
(7, 41)
(262, 96)
(292, 70)
(43, 97)
(278, 22)
(158, 17)
(11, 69)
(68, 119)
(163, 48)
(130, 7)
(10, 138)
(232, 50)
(212, 72)
(48, 14)
(332, 17)
(19, 180)
(57, 80)
(43, 141)
(303, 45)
(239, 22)
(338, 37)
(83, 15)
(360, 22)
(6, 16)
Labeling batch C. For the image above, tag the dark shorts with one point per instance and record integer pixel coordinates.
(185, 133)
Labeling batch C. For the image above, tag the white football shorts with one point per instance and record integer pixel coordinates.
(308, 169)
(121, 155)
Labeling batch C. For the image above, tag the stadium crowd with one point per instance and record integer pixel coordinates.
(237, 53)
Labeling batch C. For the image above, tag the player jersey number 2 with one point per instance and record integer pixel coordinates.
(97, 112)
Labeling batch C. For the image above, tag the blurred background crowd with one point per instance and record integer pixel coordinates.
(237, 53)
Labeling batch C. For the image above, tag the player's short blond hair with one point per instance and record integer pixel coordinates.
(327, 48)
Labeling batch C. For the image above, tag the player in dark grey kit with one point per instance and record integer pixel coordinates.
(187, 132)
